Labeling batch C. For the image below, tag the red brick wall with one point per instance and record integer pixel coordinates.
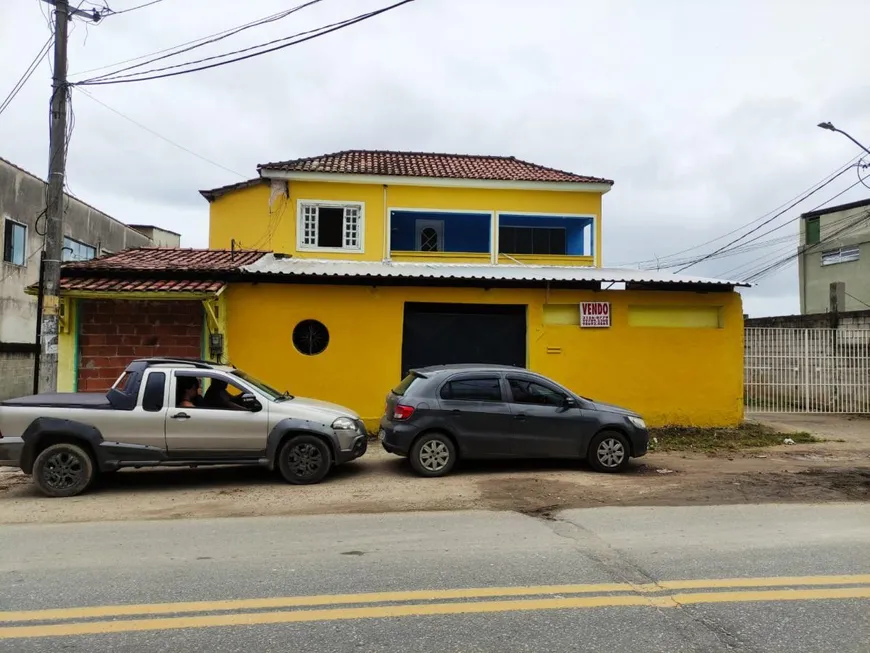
(114, 332)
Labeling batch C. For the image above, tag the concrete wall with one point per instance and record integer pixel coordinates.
(847, 320)
(16, 374)
(159, 237)
(849, 227)
(22, 199)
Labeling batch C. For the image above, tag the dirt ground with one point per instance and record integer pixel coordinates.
(835, 470)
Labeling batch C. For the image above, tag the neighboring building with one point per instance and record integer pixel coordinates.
(835, 247)
(385, 261)
(158, 237)
(88, 233)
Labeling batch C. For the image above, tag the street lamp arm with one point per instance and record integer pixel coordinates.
(830, 127)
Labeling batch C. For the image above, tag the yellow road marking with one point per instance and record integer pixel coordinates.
(426, 609)
(306, 601)
(90, 612)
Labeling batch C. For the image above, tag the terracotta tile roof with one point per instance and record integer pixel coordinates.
(164, 259)
(213, 193)
(428, 164)
(112, 284)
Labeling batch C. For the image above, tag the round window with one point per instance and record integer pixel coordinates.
(310, 337)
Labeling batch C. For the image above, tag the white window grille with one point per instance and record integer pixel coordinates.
(351, 227)
(309, 225)
(330, 226)
(841, 255)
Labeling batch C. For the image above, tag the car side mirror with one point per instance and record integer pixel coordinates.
(569, 402)
(249, 402)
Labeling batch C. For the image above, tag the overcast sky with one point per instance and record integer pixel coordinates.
(703, 112)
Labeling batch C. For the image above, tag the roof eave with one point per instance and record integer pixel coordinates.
(602, 186)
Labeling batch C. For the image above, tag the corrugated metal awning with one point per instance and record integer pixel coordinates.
(271, 264)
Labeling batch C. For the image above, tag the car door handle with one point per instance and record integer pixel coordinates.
(180, 416)
(520, 417)
(456, 411)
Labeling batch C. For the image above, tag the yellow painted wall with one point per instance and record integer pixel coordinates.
(67, 348)
(244, 215)
(670, 375)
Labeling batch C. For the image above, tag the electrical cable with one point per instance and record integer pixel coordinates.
(792, 257)
(311, 35)
(192, 45)
(112, 12)
(761, 235)
(762, 224)
(836, 172)
(230, 32)
(28, 72)
(160, 136)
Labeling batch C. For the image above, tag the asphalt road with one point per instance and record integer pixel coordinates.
(731, 578)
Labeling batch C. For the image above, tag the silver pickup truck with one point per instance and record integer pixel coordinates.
(157, 415)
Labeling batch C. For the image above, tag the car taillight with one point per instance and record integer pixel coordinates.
(401, 412)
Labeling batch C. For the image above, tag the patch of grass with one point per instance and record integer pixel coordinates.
(711, 440)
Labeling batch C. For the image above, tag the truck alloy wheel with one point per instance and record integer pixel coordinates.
(304, 459)
(63, 470)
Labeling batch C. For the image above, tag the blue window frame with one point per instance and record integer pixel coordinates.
(14, 242)
(73, 250)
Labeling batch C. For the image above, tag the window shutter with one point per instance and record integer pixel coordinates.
(813, 231)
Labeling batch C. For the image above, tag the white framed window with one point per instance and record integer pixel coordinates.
(330, 226)
(14, 242)
(74, 250)
(841, 255)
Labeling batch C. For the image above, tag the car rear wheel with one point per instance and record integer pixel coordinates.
(609, 452)
(63, 470)
(433, 454)
(304, 459)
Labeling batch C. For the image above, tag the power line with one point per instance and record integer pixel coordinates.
(827, 178)
(228, 32)
(751, 267)
(741, 248)
(160, 136)
(111, 12)
(42, 54)
(192, 45)
(762, 224)
(860, 301)
(307, 36)
(788, 259)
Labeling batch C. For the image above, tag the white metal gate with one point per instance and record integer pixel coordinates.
(807, 370)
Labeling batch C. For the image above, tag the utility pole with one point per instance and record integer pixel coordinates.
(53, 249)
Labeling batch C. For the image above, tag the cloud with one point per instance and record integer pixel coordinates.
(704, 115)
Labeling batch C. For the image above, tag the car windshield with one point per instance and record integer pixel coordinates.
(266, 389)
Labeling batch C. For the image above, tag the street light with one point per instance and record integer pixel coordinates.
(830, 127)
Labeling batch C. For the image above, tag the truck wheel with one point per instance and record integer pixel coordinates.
(304, 459)
(63, 470)
(433, 454)
(609, 452)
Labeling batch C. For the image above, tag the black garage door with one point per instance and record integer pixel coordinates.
(441, 334)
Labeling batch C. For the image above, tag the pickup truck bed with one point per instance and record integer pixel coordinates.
(62, 400)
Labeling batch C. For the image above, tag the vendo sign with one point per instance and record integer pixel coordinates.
(594, 314)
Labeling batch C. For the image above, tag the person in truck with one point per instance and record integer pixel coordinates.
(188, 392)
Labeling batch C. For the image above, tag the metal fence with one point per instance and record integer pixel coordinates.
(807, 370)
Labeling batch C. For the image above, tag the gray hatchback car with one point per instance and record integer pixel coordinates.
(438, 415)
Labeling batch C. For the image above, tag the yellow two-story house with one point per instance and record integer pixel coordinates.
(378, 262)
